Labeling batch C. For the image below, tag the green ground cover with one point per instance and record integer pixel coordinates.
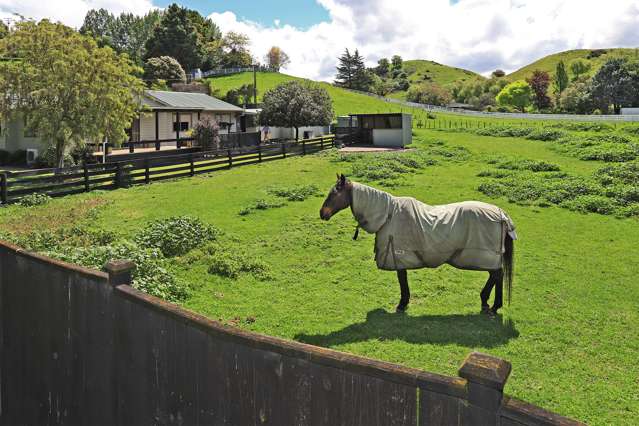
(278, 269)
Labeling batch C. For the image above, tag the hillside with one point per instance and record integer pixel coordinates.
(549, 63)
(344, 101)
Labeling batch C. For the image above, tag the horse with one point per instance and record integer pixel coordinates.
(409, 234)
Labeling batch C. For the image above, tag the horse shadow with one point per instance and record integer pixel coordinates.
(469, 330)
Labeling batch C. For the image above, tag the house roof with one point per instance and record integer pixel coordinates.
(157, 99)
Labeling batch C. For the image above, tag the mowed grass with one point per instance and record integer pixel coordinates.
(570, 333)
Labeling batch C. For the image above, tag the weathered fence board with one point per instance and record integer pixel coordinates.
(80, 347)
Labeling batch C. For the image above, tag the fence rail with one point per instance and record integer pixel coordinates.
(83, 347)
(120, 174)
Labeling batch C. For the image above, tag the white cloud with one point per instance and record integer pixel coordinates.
(481, 35)
(69, 12)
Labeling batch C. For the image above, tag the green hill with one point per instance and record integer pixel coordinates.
(595, 57)
(344, 101)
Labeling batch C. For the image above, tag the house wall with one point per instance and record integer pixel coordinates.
(289, 132)
(14, 138)
(629, 111)
(165, 125)
(407, 129)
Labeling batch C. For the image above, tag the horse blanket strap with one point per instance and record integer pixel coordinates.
(467, 235)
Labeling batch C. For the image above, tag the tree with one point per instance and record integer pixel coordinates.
(294, 104)
(236, 50)
(397, 63)
(498, 73)
(381, 86)
(352, 73)
(577, 98)
(68, 88)
(207, 134)
(616, 83)
(276, 58)
(383, 67)
(99, 24)
(579, 68)
(176, 36)
(516, 94)
(560, 80)
(4, 30)
(430, 94)
(164, 68)
(539, 82)
(245, 94)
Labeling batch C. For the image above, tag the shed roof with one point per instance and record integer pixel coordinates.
(158, 99)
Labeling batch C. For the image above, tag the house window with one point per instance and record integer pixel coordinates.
(184, 126)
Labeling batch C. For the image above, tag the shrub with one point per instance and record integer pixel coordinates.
(609, 152)
(231, 262)
(625, 173)
(176, 235)
(632, 130)
(546, 135)
(164, 68)
(207, 134)
(47, 158)
(532, 165)
(32, 200)
(591, 204)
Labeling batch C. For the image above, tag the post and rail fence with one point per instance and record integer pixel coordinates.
(82, 347)
(88, 177)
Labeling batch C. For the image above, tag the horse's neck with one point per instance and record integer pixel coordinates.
(370, 206)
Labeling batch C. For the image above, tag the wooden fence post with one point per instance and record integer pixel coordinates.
(486, 377)
(131, 147)
(3, 188)
(86, 178)
(147, 174)
(303, 147)
(120, 272)
(192, 166)
(322, 143)
(259, 153)
(230, 158)
(283, 149)
(118, 174)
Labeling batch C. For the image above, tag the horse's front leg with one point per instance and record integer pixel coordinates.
(402, 276)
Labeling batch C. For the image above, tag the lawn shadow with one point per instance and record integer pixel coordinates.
(470, 330)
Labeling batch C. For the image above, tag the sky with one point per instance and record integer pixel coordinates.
(480, 35)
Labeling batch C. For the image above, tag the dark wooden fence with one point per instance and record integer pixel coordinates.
(119, 174)
(83, 347)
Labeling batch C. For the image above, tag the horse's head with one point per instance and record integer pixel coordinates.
(338, 198)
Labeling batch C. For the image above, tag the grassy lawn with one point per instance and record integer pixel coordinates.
(570, 331)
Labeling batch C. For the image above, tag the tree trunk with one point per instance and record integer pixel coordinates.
(59, 153)
(297, 133)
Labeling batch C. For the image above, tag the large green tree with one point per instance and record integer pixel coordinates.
(69, 89)
(276, 58)
(126, 33)
(163, 68)
(560, 80)
(236, 49)
(617, 84)
(352, 72)
(177, 36)
(294, 104)
(539, 82)
(430, 94)
(517, 94)
(577, 98)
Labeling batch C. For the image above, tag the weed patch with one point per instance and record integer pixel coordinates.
(260, 204)
(295, 193)
(176, 235)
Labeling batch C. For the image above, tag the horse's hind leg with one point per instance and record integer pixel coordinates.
(402, 276)
(499, 288)
(485, 293)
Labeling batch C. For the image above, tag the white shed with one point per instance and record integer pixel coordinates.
(387, 129)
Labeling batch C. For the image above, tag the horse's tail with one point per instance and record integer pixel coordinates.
(508, 264)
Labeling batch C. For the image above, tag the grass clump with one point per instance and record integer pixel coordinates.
(176, 235)
(582, 127)
(546, 135)
(295, 193)
(261, 204)
(228, 261)
(505, 131)
(33, 200)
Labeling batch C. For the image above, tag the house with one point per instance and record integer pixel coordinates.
(385, 130)
(630, 111)
(275, 132)
(166, 116)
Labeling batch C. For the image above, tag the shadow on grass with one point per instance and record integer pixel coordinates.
(471, 330)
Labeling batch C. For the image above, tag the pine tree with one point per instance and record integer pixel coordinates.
(345, 71)
(560, 82)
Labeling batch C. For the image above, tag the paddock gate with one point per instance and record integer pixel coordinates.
(82, 347)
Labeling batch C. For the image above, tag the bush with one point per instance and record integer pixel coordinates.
(207, 134)
(4, 157)
(47, 158)
(591, 204)
(32, 200)
(229, 262)
(176, 235)
(164, 68)
(546, 135)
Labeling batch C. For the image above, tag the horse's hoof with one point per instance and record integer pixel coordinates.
(400, 309)
(485, 309)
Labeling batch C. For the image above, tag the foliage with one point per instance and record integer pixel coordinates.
(206, 133)
(560, 79)
(617, 84)
(236, 50)
(70, 89)
(429, 93)
(295, 193)
(546, 134)
(383, 67)
(164, 68)
(579, 68)
(126, 33)
(498, 73)
(276, 58)
(479, 93)
(260, 204)
(516, 94)
(178, 36)
(295, 104)
(351, 72)
(577, 98)
(4, 157)
(48, 158)
(231, 262)
(176, 235)
(539, 82)
(32, 200)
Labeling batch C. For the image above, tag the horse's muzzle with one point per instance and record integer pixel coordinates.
(325, 213)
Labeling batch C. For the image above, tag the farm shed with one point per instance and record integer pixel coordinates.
(389, 129)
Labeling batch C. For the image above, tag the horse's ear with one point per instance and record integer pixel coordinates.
(342, 179)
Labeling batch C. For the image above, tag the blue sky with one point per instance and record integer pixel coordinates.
(299, 13)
